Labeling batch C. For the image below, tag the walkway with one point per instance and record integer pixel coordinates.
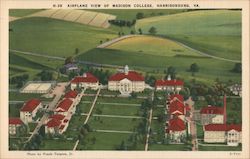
(149, 123)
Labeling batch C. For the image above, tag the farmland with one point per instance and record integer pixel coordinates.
(200, 30)
(150, 45)
(55, 37)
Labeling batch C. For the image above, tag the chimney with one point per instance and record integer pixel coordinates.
(225, 109)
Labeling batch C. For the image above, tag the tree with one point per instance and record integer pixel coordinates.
(46, 75)
(171, 71)
(194, 68)
(132, 32)
(152, 30)
(139, 15)
(140, 31)
(76, 51)
(68, 60)
(237, 68)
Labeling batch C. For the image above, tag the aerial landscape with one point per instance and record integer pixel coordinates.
(125, 80)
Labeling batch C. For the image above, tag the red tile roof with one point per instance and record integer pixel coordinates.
(168, 83)
(15, 121)
(65, 104)
(132, 76)
(222, 127)
(176, 124)
(30, 105)
(211, 110)
(71, 94)
(237, 127)
(178, 96)
(88, 79)
(53, 123)
(57, 116)
(176, 106)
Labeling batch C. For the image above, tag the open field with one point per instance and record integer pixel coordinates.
(124, 14)
(60, 144)
(216, 32)
(210, 69)
(120, 100)
(118, 124)
(105, 141)
(91, 18)
(22, 12)
(113, 109)
(56, 37)
(219, 148)
(153, 46)
(170, 147)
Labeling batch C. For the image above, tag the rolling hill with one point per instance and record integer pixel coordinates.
(216, 32)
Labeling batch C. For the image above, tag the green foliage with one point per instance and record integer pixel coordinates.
(46, 75)
(139, 15)
(152, 30)
(237, 68)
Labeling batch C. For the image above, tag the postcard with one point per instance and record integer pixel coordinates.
(117, 79)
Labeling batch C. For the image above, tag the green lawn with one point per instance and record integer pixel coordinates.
(16, 96)
(219, 148)
(84, 107)
(119, 100)
(59, 144)
(199, 130)
(153, 46)
(56, 37)
(216, 32)
(22, 12)
(125, 110)
(104, 141)
(14, 110)
(170, 147)
(75, 123)
(32, 126)
(109, 123)
(158, 111)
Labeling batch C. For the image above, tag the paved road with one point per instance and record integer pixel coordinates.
(115, 40)
(193, 125)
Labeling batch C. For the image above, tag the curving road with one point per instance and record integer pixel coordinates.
(106, 44)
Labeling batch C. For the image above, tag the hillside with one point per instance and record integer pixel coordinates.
(216, 32)
(153, 46)
(55, 37)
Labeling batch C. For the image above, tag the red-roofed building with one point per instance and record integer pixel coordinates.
(223, 133)
(87, 80)
(29, 110)
(64, 106)
(176, 129)
(56, 124)
(126, 82)
(212, 115)
(71, 94)
(14, 123)
(169, 85)
(176, 108)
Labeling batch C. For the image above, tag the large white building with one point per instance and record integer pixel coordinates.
(176, 129)
(126, 82)
(87, 80)
(223, 133)
(29, 110)
(214, 114)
